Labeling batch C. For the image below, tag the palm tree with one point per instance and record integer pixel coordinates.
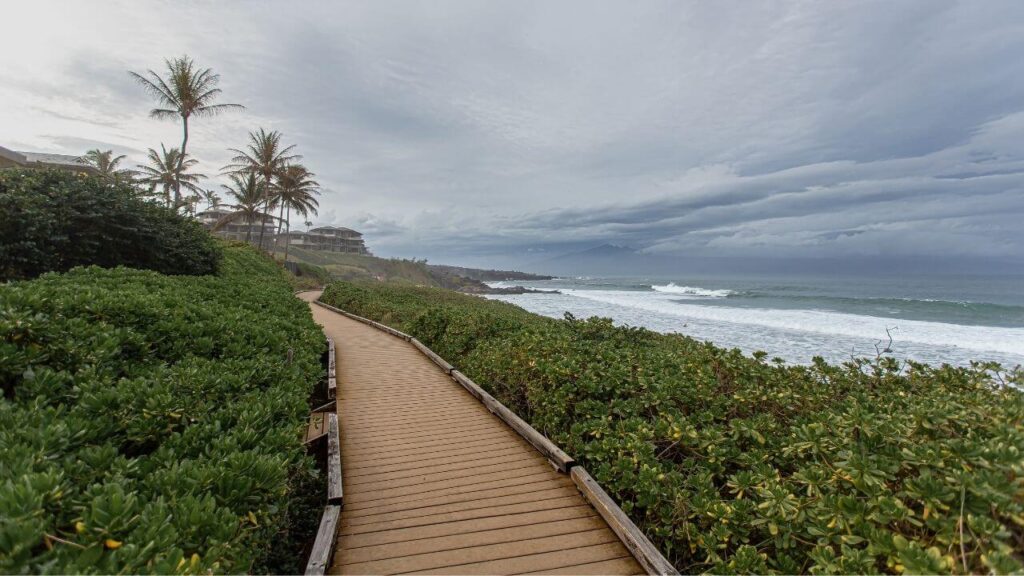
(295, 189)
(212, 199)
(247, 193)
(169, 170)
(190, 203)
(186, 92)
(265, 157)
(107, 165)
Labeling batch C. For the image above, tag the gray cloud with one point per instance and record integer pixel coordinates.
(497, 131)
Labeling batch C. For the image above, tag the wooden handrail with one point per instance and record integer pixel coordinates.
(332, 382)
(323, 546)
(632, 537)
(433, 356)
(334, 487)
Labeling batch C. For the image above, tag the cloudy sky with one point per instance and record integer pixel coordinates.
(499, 132)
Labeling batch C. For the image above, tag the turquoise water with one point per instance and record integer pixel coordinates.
(932, 319)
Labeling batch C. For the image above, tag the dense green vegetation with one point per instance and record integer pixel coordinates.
(733, 464)
(151, 423)
(307, 276)
(54, 220)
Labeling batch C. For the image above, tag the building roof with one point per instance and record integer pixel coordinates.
(336, 228)
(47, 159)
(209, 216)
(214, 212)
(56, 159)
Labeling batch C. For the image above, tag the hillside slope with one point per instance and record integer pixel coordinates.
(415, 272)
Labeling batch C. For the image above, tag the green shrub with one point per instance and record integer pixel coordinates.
(736, 465)
(307, 276)
(55, 220)
(151, 423)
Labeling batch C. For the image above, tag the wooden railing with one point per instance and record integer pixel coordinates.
(323, 436)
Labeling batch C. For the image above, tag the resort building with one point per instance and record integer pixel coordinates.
(238, 229)
(11, 159)
(328, 239)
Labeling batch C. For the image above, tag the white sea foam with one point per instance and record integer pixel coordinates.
(672, 288)
(1005, 340)
(796, 335)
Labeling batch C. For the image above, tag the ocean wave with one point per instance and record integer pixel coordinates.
(856, 326)
(672, 288)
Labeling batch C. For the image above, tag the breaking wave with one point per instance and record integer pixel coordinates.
(672, 288)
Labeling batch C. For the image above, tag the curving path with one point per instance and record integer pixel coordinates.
(434, 483)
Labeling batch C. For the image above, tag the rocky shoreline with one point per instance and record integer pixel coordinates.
(508, 290)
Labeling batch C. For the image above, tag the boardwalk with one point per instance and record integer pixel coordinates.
(434, 483)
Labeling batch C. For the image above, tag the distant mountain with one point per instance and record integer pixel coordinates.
(486, 275)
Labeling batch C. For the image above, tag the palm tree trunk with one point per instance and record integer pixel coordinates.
(181, 163)
(266, 203)
(280, 224)
(248, 232)
(287, 239)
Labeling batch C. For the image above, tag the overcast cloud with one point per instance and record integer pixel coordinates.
(494, 132)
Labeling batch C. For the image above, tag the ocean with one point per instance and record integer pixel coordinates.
(935, 320)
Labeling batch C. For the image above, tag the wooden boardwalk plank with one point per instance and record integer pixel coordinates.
(458, 542)
(556, 503)
(434, 482)
(617, 566)
(467, 528)
(461, 470)
(482, 503)
(542, 561)
(430, 485)
(438, 459)
(531, 478)
(441, 471)
(457, 497)
(483, 553)
(457, 449)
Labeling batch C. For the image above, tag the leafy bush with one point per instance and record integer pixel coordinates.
(733, 464)
(307, 276)
(54, 220)
(151, 423)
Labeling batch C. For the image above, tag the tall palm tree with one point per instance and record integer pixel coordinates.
(212, 199)
(106, 165)
(266, 157)
(191, 202)
(295, 189)
(247, 193)
(187, 91)
(169, 170)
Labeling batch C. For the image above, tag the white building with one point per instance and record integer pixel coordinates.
(12, 159)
